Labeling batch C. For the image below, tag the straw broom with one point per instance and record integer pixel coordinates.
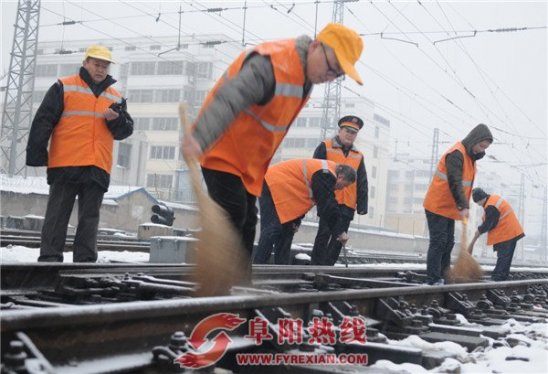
(466, 268)
(220, 258)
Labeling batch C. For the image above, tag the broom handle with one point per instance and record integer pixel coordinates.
(191, 161)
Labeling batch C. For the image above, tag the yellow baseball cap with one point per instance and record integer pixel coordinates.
(347, 44)
(99, 52)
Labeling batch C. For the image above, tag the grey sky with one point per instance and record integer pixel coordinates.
(498, 78)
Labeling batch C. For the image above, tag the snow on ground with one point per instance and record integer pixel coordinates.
(15, 254)
(529, 353)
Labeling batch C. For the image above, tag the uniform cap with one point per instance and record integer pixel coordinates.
(99, 52)
(346, 44)
(351, 121)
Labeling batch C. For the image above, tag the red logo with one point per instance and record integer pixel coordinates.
(213, 352)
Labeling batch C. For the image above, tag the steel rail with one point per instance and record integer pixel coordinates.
(126, 312)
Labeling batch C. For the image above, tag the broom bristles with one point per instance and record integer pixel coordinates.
(466, 268)
(220, 258)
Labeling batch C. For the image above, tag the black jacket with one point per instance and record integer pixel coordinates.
(454, 162)
(363, 186)
(323, 192)
(49, 114)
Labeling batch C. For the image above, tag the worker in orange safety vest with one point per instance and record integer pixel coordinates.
(292, 188)
(82, 115)
(503, 230)
(448, 196)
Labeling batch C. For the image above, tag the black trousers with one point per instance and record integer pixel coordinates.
(442, 240)
(62, 195)
(274, 235)
(229, 192)
(327, 248)
(505, 253)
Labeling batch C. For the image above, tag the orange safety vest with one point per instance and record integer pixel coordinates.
(508, 226)
(348, 195)
(290, 184)
(438, 198)
(249, 143)
(82, 138)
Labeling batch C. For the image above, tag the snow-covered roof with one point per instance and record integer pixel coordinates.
(39, 185)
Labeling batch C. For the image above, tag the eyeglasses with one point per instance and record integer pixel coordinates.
(330, 71)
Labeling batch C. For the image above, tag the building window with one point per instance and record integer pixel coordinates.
(68, 69)
(375, 152)
(141, 123)
(294, 142)
(155, 47)
(142, 68)
(140, 96)
(199, 96)
(170, 67)
(312, 142)
(46, 70)
(374, 172)
(301, 122)
(204, 69)
(130, 48)
(163, 181)
(314, 122)
(377, 131)
(165, 124)
(371, 212)
(158, 152)
(372, 192)
(168, 96)
(188, 94)
(124, 154)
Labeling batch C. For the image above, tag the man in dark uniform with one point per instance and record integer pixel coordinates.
(341, 150)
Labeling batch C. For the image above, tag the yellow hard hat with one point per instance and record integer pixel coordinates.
(99, 52)
(347, 45)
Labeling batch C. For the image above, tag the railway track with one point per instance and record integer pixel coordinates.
(106, 318)
(31, 239)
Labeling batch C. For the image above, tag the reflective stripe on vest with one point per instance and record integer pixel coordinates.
(305, 175)
(508, 226)
(82, 137)
(87, 90)
(347, 196)
(82, 113)
(443, 176)
(439, 198)
(266, 125)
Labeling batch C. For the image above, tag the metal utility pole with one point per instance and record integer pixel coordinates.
(544, 228)
(435, 150)
(332, 94)
(17, 110)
